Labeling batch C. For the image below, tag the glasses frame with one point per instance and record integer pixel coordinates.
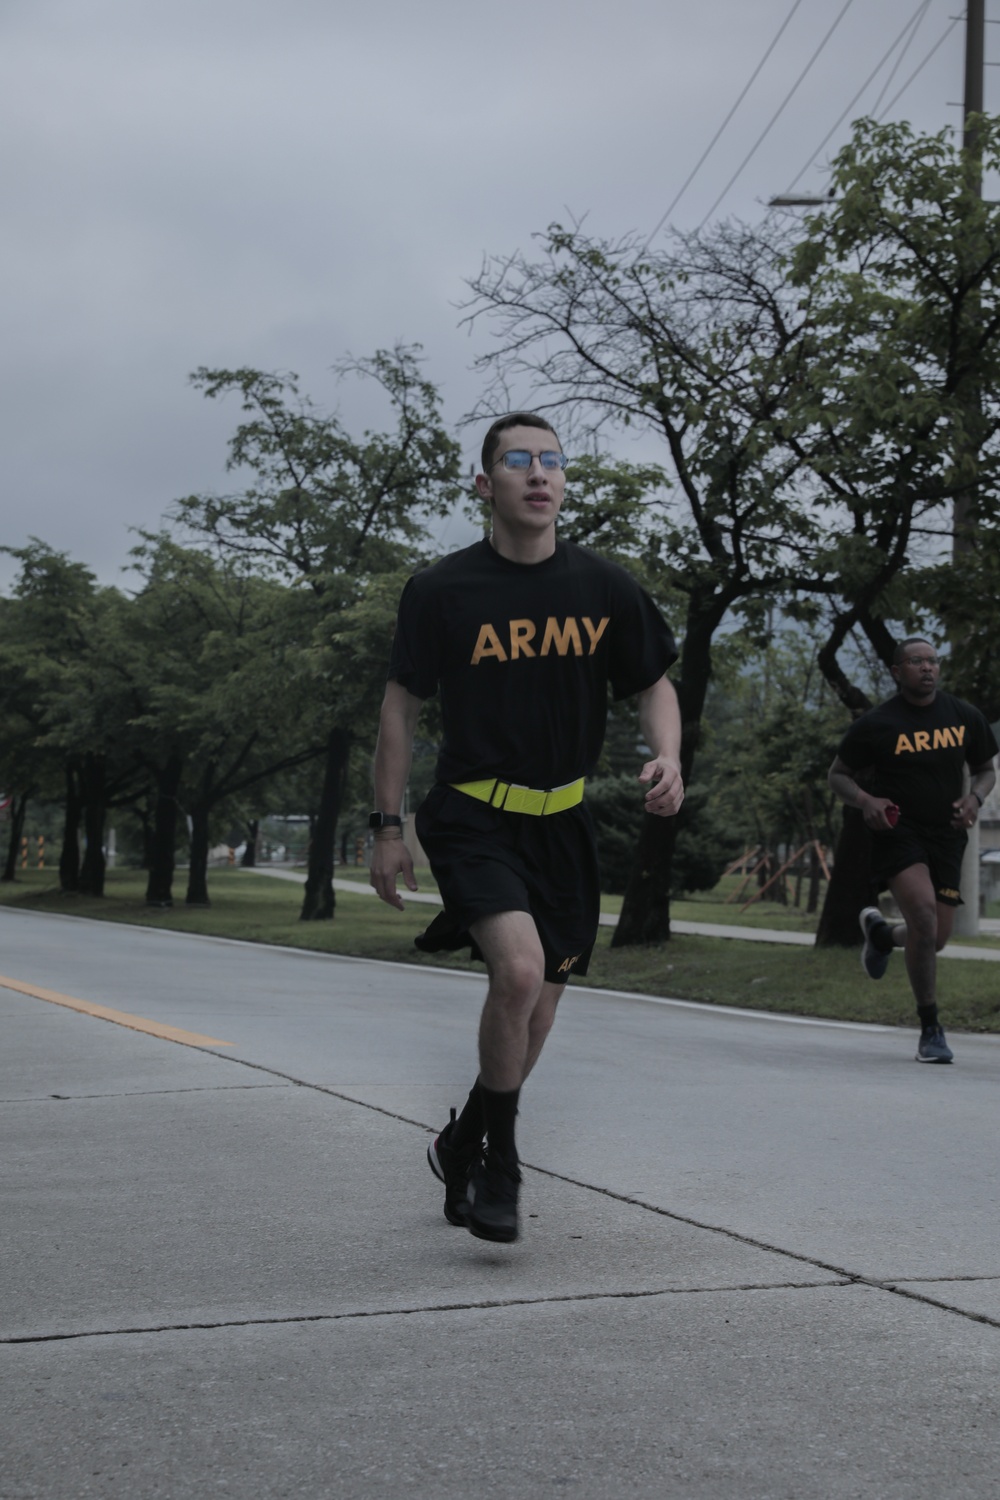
(550, 468)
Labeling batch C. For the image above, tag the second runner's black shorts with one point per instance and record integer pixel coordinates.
(940, 849)
(487, 861)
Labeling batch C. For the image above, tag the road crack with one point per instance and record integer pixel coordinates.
(485, 1304)
(226, 1088)
(841, 1273)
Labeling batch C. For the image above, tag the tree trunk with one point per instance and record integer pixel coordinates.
(249, 860)
(814, 874)
(779, 890)
(159, 887)
(93, 793)
(851, 885)
(197, 891)
(319, 901)
(69, 858)
(18, 811)
(146, 827)
(645, 914)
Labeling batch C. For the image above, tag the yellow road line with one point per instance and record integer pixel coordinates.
(119, 1017)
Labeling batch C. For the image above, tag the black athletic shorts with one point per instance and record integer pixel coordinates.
(487, 861)
(940, 849)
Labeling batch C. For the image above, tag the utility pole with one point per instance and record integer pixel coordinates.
(967, 916)
(975, 65)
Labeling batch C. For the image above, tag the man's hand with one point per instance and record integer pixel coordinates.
(964, 812)
(666, 789)
(390, 857)
(875, 810)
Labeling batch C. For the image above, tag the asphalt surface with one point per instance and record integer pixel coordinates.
(759, 1256)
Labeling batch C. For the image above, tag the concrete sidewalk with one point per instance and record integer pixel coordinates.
(759, 1257)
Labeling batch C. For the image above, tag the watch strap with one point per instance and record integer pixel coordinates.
(377, 820)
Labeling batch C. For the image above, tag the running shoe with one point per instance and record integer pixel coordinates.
(453, 1167)
(873, 960)
(492, 1203)
(932, 1046)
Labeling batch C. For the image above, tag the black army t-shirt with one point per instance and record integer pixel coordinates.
(917, 753)
(523, 655)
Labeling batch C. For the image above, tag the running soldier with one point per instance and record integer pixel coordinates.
(912, 751)
(522, 634)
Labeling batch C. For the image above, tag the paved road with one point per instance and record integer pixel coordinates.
(760, 1257)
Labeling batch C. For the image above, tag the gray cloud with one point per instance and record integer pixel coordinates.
(235, 182)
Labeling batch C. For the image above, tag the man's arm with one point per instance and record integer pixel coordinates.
(981, 782)
(660, 724)
(393, 753)
(872, 809)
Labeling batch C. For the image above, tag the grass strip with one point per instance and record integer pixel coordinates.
(826, 983)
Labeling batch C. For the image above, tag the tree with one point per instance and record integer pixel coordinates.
(47, 627)
(694, 344)
(904, 278)
(331, 515)
(811, 388)
(775, 725)
(229, 687)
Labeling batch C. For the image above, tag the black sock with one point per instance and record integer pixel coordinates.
(470, 1127)
(500, 1112)
(928, 1015)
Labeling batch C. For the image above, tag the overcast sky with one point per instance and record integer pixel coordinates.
(232, 182)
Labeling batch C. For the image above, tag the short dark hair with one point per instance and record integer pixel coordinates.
(513, 419)
(904, 646)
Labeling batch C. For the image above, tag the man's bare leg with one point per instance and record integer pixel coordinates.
(520, 1003)
(508, 1054)
(542, 1020)
(517, 1017)
(925, 929)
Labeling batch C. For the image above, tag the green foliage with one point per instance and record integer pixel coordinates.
(773, 726)
(324, 508)
(963, 598)
(241, 650)
(615, 804)
(222, 669)
(45, 629)
(704, 843)
(343, 520)
(824, 392)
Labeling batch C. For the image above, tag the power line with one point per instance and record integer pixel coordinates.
(914, 21)
(704, 155)
(778, 112)
(906, 85)
(895, 67)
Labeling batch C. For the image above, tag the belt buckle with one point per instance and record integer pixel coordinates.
(525, 799)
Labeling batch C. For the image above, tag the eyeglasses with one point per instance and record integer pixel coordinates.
(520, 458)
(921, 661)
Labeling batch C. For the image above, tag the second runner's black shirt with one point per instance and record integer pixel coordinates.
(917, 753)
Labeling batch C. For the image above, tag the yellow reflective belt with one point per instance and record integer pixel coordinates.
(523, 799)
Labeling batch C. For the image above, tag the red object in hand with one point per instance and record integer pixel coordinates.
(892, 814)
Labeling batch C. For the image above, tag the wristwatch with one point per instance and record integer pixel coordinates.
(377, 820)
